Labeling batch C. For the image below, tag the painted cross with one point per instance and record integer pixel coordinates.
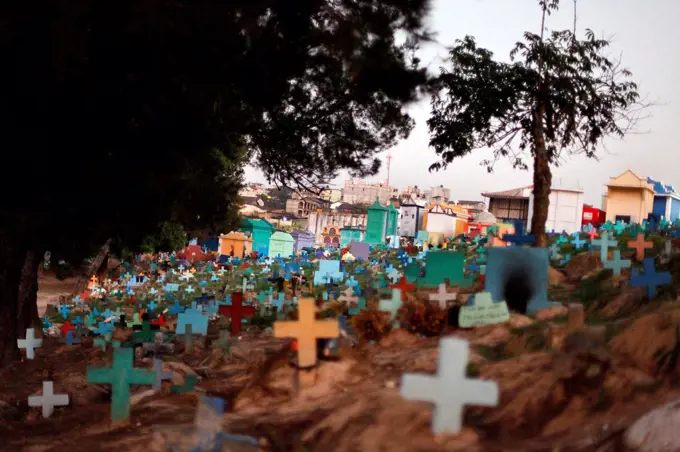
(443, 296)
(392, 305)
(306, 330)
(449, 390)
(120, 376)
(639, 245)
(518, 238)
(30, 343)
(616, 264)
(348, 297)
(70, 339)
(604, 243)
(592, 233)
(64, 310)
(159, 374)
(403, 287)
(237, 312)
(577, 241)
(104, 341)
(48, 400)
(650, 279)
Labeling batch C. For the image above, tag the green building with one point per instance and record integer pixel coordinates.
(261, 233)
(349, 234)
(281, 244)
(381, 222)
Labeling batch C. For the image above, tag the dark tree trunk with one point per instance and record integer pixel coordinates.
(542, 180)
(12, 261)
(95, 266)
(27, 299)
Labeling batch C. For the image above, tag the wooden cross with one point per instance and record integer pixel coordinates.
(236, 311)
(306, 330)
(404, 287)
(639, 245)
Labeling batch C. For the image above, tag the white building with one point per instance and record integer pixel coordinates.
(317, 221)
(360, 192)
(565, 212)
(411, 214)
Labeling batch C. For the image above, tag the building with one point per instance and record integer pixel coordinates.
(411, 215)
(301, 205)
(303, 239)
(261, 232)
(349, 234)
(235, 244)
(330, 236)
(510, 205)
(565, 212)
(317, 221)
(630, 198)
(360, 192)
(281, 244)
(449, 220)
(666, 200)
(331, 195)
(593, 215)
(473, 207)
(381, 223)
(439, 194)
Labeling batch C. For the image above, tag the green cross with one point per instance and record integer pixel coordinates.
(103, 342)
(145, 335)
(188, 386)
(120, 376)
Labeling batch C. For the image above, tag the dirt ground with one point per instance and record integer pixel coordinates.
(50, 289)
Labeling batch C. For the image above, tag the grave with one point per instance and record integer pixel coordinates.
(48, 400)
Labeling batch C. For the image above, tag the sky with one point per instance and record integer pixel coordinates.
(645, 34)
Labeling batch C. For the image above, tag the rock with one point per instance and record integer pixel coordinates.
(555, 277)
(583, 265)
(519, 320)
(551, 312)
(656, 431)
(624, 302)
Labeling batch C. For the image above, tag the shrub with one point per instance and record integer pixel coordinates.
(422, 318)
(371, 325)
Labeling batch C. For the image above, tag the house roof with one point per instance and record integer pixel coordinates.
(629, 179)
(661, 189)
(512, 193)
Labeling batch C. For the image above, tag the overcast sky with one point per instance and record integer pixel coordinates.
(645, 33)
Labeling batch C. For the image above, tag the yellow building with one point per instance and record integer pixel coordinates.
(447, 219)
(630, 198)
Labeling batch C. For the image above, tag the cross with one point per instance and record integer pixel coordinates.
(146, 334)
(151, 306)
(70, 340)
(592, 233)
(306, 330)
(639, 245)
(577, 241)
(604, 243)
(442, 296)
(236, 311)
(449, 391)
(48, 400)
(392, 306)
(348, 296)
(64, 310)
(361, 305)
(160, 374)
(103, 342)
(616, 264)
(403, 287)
(120, 376)
(30, 343)
(66, 328)
(651, 278)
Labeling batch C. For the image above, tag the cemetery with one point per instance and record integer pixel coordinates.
(184, 269)
(473, 347)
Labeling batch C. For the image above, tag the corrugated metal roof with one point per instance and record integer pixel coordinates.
(513, 193)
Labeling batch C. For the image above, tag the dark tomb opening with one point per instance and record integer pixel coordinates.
(518, 290)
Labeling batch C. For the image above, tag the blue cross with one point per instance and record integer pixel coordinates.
(64, 310)
(518, 238)
(279, 301)
(152, 306)
(577, 241)
(616, 264)
(650, 279)
(562, 239)
(104, 328)
(176, 308)
(473, 267)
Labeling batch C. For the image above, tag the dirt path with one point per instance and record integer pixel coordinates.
(50, 289)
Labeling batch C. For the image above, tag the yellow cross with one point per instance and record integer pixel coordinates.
(307, 330)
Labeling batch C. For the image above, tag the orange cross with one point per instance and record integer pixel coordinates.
(639, 245)
(306, 330)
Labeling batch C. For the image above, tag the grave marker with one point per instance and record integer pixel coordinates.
(48, 400)
(30, 343)
(604, 243)
(392, 305)
(650, 279)
(306, 330)
(449, 390)
(159, 374)
(639, 245)
(120, 376)
(443, 297)
(616, 264)
(483, 312)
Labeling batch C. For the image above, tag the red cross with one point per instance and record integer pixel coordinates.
(593, 233)
(85, 295)
(160, 321)
(236, 311)
(66, 327)
(404, 286)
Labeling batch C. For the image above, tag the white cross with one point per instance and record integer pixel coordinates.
(348, 296)
(449, 390)
(30, 343)
(48, 400)
(442, 296)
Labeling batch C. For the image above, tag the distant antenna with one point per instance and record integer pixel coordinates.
(389, 159)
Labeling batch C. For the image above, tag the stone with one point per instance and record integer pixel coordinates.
(656, 431)
(551, 312)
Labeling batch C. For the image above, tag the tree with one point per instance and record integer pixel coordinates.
(558, 95)
(120, 116)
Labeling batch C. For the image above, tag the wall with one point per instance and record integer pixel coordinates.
(318, 220)
(565, 212)
(440, 222)
(634, 202)
(410, 220)
(659, 206)
(675, 209)
(359, 192)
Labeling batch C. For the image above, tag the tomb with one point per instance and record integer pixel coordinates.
(281, 244)
(303, 239)
(235, 244)
(261, 233)
(381, 222)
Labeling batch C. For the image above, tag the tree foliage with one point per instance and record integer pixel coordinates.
(118, 116)
(558, 94)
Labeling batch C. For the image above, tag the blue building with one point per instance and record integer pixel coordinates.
(666, 200)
